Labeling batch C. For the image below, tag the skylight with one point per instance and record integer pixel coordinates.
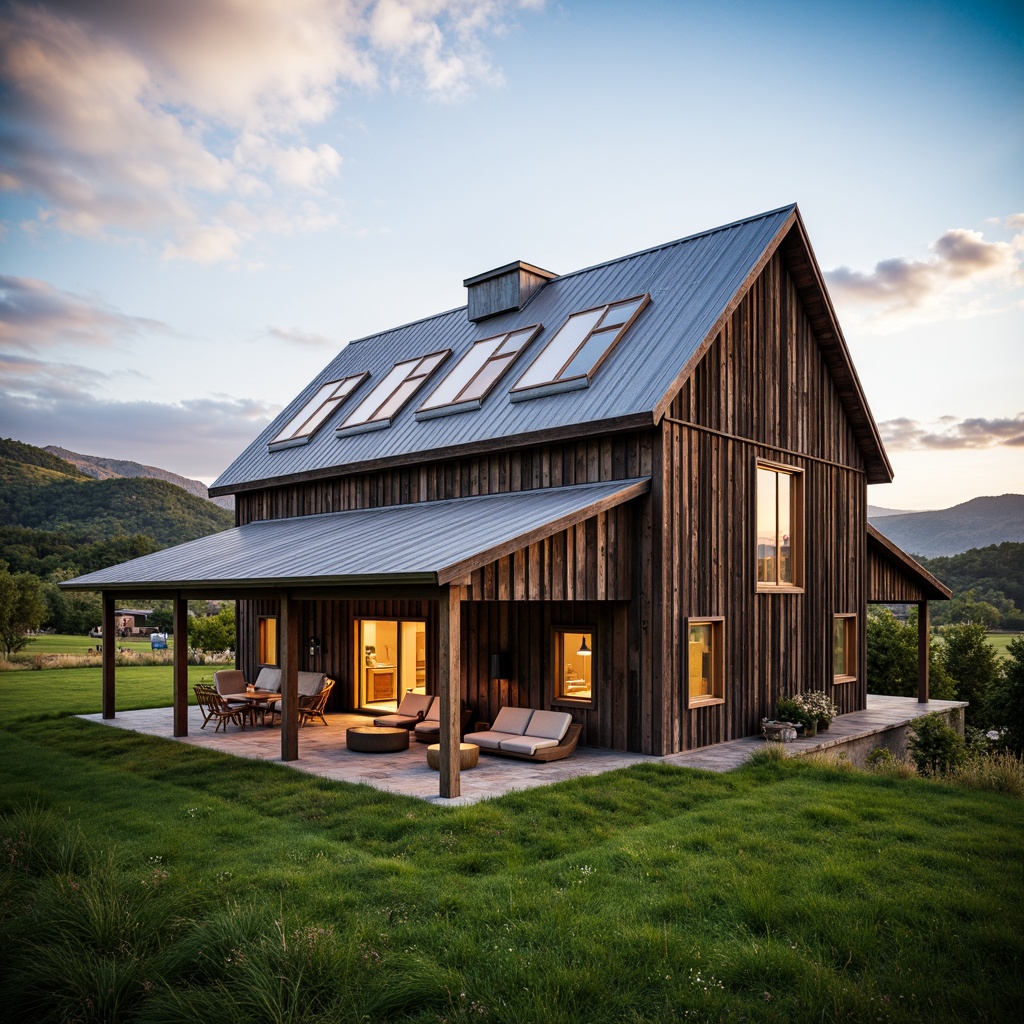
(384, 402)
(476, 373)
(571, 358)
(312, 416)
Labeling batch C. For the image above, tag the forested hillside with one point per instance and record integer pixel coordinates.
(54, 518)
(987, 584)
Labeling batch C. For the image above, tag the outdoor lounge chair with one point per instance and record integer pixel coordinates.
(413, 709)
(527, 734)
(313, 707)
(429, 730)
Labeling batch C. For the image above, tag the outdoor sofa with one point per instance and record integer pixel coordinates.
(527, 734)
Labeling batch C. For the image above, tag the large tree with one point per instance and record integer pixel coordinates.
(892, 658)
(973, 664)
(22, 608)
(1006, 701)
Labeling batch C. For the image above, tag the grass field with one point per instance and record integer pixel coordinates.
(146, 880)
(63, 643)
(1001, 641)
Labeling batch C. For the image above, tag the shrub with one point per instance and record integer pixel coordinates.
(884, 762)
(1001, 772)
(1006, 703)
(934, 747)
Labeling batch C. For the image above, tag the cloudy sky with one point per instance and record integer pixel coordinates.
(204, 199)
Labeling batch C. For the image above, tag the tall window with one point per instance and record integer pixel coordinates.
(844, 648)
(266, 640)
(779, 527)
(706, 662)
(574, 666)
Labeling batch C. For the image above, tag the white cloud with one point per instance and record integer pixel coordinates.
(950, 433)
(144, 118)
(305, 339)
(34, 315)
(967, 276)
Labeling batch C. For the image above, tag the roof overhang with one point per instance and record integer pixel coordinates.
(420, 544)
(931, 588)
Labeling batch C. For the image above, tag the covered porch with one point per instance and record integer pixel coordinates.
(422, 552)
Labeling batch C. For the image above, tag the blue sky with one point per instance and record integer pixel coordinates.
(202, 200)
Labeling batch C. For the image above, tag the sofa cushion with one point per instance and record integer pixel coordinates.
(527, 744)
(269, 679)
(229, 680)
(415, 705)
(511, 720)
(310, 683)
(550, 725)
(489, 738)
(433, 714)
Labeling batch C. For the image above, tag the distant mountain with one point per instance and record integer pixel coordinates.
(977, 523)
(105, 469)
(878, 511)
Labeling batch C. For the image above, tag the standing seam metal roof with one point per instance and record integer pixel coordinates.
(430, 542)
(691, 282)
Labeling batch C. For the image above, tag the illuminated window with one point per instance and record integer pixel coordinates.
(266, 634)
(571, 358)
(574, 666)
(844, 648)
(384, 402)
(779, 533)
(475, 374)
(706, 662)
(308, 420)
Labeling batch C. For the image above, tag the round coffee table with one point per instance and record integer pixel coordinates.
(375, 739)
(469, 754)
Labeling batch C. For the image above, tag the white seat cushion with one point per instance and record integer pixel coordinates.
(490, 738)
(512, 720)
(550, 725)
(527, 744)
(414, 703)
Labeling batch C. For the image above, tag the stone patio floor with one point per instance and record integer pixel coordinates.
(322, 751)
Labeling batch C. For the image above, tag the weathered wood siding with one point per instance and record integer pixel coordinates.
(889, 582)
(764, 392)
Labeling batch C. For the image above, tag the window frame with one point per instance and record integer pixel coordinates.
(717, 695)
(558, 382)
(559, 697)
(373, 420)
(850, 638)
(262, 636)
(328, 395)
(458, 403)
(796, 542)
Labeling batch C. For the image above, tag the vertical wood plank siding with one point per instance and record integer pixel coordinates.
(889, 583)
(635, 574)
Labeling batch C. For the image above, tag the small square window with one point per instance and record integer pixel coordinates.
(844, 648)
(574, 666)
(705, 654)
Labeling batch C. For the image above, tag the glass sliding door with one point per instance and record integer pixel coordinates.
(392, 661)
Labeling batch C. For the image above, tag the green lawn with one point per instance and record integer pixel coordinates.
(147, 880)
(1001, 641)
(63, 643)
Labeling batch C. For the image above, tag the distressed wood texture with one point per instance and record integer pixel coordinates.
(593, 461)
(890, 583)
(765, 391)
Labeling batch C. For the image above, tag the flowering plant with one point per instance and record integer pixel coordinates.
(808, 708)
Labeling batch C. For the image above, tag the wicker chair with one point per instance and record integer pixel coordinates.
(313, 707)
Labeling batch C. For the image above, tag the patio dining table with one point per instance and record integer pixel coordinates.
(257, 700)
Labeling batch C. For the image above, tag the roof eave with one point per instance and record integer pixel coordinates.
(939, 590)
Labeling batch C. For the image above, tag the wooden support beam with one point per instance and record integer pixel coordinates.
(289, 678)
(450, 651)
(922, 652)
(109, 642)
(180, 666)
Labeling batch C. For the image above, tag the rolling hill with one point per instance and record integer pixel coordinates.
(977, 523)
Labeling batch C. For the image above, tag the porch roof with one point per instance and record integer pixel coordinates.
(425, 543)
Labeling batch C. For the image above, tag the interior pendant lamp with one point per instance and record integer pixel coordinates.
(584, 651)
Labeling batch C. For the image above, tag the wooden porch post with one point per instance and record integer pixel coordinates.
(289, 678)
(109, 642)
(450, 650)
(180, 665)
(922, 652)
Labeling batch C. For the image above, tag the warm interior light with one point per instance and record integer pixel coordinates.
(584, 651)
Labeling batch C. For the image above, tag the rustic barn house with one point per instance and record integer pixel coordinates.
(636, 492)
